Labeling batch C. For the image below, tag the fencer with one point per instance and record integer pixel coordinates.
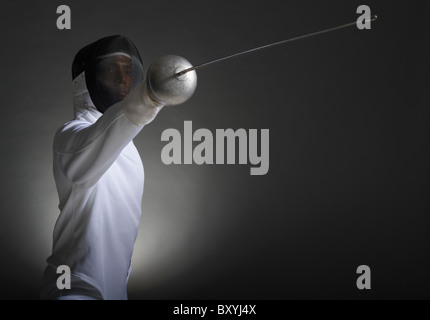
(98, 172)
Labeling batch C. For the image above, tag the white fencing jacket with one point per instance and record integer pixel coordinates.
(99, 177)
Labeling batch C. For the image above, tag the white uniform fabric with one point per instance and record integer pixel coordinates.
(99, 177)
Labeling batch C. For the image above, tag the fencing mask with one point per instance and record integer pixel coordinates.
(113, 67)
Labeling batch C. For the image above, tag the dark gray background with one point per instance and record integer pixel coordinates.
(348, 115)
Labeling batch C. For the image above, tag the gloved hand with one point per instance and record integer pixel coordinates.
(140, 106)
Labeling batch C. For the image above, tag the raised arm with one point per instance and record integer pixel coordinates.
(87, 150)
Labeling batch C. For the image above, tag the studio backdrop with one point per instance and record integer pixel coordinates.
(331, 171)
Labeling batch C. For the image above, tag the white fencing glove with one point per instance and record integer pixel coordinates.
(140, 106)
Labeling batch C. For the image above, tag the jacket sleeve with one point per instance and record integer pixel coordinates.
(85, 151)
